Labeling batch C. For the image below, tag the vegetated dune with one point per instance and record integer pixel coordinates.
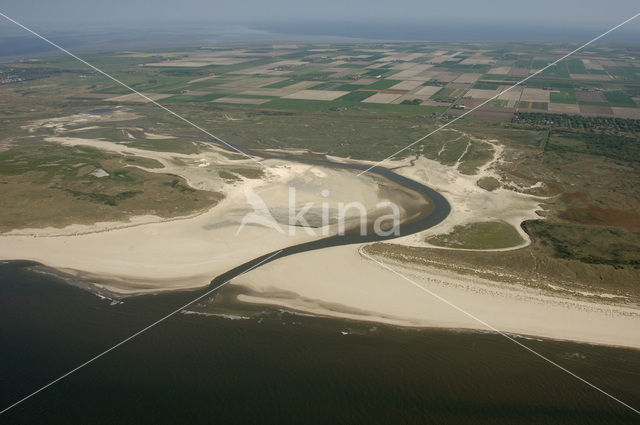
(346, 282)
(149, 254)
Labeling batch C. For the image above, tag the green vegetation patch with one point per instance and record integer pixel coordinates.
(381, 84)
(558, 70)
(486, 86)
(143, 162)
(588, 244)
(476, 155)
(563, 96)
(348, 87)
(53, 185)
(581, 122)
(489, 183)
(576, 66)
(618, 98)
(250, 173)
(449, 94)
(228, 177)
(612, 146)
(453, 150)
(356, 96)
(481, 235)
(299, 105)
(498, 77)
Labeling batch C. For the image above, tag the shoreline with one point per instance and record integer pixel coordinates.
(332, 280)
(371, 293)
(250, 291)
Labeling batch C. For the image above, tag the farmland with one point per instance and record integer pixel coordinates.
(352, 77)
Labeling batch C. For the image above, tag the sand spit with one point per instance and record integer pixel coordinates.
(340, 282)
(148, 254)
(60, 124)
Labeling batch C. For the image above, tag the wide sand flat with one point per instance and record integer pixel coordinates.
(150, 255)
(340, 282)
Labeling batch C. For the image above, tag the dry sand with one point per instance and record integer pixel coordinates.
(150, 255)
(469, 202)
(339, 282)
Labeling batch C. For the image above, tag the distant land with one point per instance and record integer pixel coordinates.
(84, 37)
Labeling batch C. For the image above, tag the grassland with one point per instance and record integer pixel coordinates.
(612, 146)
(534, 266)
(563, 96)
(45, 184)
(482, 235)
(592, 245)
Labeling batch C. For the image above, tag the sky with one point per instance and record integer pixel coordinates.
(363, 16)
(568, 12)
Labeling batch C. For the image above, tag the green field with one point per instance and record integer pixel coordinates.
(563, 96)
(46, 184)
(485, 235)
(616, 98)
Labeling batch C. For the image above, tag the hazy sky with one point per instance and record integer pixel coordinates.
(146, 23)
(565, 12)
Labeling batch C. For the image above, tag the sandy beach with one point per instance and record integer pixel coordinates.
(150, 254)
(147, 254)
(341, 282)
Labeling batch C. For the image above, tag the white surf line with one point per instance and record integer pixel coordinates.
(501, 93)
(490, 327)
(175, 114)
(141, 331)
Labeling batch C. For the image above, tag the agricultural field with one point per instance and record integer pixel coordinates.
(395, 78)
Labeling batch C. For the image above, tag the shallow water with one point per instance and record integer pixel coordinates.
(278, 367)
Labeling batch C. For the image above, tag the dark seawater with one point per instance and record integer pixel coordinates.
(278, 367)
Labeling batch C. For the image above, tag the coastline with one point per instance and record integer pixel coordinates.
(371, 294)
(357, 288)
(336, 281)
